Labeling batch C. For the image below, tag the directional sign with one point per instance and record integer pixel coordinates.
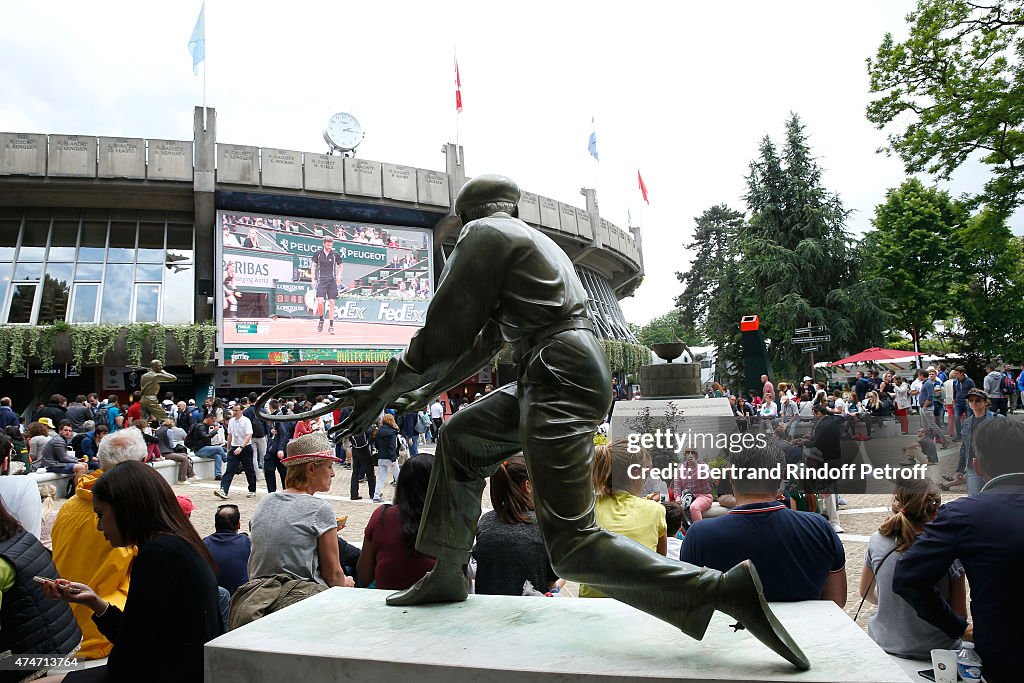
(811, 340)
(809, 330)
(809, 349)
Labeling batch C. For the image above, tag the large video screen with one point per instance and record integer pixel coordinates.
(290, 284)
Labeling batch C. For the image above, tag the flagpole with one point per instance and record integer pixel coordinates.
(458, 91)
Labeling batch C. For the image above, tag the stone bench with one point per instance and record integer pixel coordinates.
(59, 481)
(168, 469)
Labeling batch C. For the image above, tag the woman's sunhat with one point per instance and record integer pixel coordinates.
(311, 447)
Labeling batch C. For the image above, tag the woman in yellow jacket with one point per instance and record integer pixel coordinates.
(80, 552)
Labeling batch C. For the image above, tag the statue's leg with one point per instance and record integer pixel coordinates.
(564, 396)
(470, 446)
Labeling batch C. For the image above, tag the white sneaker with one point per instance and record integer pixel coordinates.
(251, 494)
(220, 493)
(838, 529)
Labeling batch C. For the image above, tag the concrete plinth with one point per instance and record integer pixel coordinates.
(350, 634)
(670, 379)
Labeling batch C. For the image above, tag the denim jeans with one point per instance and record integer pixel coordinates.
(412, 440)
(974, 482)
(960, 410)
(216, 452)
(383, 476)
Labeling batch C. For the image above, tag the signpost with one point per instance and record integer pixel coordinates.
(810, 340)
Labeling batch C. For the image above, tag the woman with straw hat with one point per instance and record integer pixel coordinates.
(293, 531)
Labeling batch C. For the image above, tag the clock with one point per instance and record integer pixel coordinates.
(343, 132)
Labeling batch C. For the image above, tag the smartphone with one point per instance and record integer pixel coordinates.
(43, 580)
(928, 674)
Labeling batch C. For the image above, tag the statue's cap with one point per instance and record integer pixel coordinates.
(484, 189)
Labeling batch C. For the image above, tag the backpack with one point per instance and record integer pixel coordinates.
(422, 423)
(192, 442)
(1009, 386)
(360, 441)
(103, 414)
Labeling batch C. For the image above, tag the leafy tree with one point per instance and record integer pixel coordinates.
(989, 298)
(911, 254)
(797, 257)
(959, 79)
(713, 299)
(666, 328)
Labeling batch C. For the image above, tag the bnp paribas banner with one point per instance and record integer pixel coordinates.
(304, 247)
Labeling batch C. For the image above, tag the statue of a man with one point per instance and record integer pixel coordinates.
(507, 282)
(150, 385)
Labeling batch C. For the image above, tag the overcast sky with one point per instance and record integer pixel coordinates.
(682, 91)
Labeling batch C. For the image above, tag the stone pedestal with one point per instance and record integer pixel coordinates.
(346, 634)
(670, 380)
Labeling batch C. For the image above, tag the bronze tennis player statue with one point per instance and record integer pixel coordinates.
(507, 282)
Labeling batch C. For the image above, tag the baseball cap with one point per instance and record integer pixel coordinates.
(167, 402)
(806, 379)
(977, 392)
(191, 401)
(46, 421)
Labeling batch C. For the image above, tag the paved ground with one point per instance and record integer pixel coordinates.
(860, 518)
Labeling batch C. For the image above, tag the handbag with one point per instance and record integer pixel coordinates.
(874, 575)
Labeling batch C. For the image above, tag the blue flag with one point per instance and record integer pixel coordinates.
(592, 142)
(197, 43)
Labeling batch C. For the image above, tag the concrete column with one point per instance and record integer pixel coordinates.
(455, 165)
(204, 181)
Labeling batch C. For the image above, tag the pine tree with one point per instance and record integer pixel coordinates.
(797, 258)
(712, 301)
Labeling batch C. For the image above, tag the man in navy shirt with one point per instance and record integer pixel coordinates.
(797, 554)
(230, 549)
(986, 533)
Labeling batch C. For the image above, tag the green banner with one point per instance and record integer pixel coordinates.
(351, 252)
(336, 356)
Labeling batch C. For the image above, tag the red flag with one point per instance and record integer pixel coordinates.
(643, 188)
(458, 88)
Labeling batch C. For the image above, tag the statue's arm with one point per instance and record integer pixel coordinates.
(166, 376)
(459, 336)
(485, 347)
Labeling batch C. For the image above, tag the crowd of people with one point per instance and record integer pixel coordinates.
(123, 541)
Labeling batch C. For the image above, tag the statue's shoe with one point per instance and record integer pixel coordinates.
(433, 587)
(742, 598)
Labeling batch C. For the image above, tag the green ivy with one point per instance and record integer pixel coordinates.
(91, 343)
(625, 357)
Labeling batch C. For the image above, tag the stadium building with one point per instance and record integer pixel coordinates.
(107, 244)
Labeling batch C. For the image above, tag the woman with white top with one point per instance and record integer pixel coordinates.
(901, 390)
(769, 413)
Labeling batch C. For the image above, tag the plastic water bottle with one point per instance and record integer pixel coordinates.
(968, 663)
